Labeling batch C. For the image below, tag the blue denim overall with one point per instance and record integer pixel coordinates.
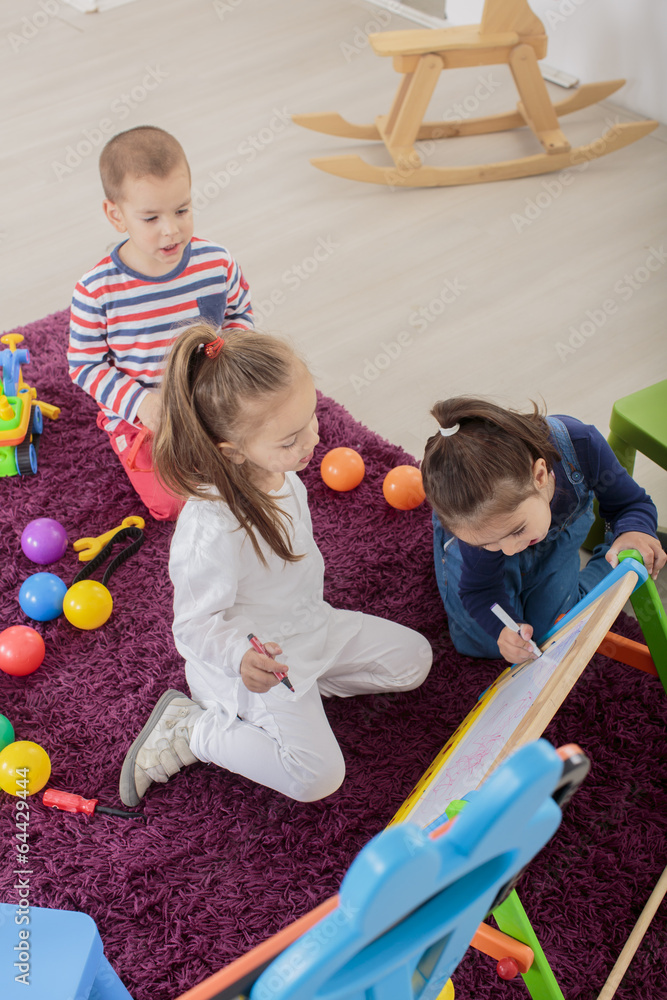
(543, 581)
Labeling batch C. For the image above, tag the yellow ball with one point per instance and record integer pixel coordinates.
(24, 768)
(87, 604)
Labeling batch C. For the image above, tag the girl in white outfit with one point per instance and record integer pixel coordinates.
(238, 422)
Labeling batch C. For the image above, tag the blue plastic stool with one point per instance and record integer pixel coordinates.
(65, 957)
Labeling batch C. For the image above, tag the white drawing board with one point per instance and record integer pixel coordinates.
(514, 710)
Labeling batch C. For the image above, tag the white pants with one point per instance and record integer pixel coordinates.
(288, 745)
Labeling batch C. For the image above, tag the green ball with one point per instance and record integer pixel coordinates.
(6, 732)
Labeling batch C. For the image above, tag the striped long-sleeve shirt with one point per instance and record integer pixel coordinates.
(122, 322)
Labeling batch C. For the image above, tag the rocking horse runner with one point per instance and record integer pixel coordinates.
(510, 33)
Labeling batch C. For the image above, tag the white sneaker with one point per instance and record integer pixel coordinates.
(162, 747)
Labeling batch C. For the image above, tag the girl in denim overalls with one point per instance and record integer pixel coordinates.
(512, 496)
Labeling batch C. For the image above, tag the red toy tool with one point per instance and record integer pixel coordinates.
(77, 804)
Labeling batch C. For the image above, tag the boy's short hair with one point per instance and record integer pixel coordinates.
(139, 152)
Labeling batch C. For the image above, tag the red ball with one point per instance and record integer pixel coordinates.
(507, 968)
(403, 487)
(22, 650)
(342, 469)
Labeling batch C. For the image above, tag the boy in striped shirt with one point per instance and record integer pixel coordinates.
(127, 310)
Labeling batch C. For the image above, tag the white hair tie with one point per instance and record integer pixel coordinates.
(448, 431)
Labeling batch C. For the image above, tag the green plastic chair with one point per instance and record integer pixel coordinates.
(638, 422)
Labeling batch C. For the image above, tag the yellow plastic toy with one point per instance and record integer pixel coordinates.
(21, 413)
(88, 548)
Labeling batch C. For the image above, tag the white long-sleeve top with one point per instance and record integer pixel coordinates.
(222, 592)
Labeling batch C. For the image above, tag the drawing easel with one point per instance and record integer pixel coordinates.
(412, 902)
(522, 711)
(518, 706)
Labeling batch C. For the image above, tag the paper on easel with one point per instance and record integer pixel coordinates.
(475, 753)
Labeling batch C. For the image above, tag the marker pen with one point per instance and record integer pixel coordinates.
(510, 623)
(259, 648)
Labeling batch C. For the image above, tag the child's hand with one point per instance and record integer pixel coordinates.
(514, 646)
(648, 547)
(258, 671)
(149, 411)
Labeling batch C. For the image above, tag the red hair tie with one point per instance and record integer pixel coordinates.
(213, 347)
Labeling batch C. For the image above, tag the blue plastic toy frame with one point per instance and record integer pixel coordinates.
(410, 904)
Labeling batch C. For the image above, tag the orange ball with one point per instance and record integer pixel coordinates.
(342, 469)
(403, 487)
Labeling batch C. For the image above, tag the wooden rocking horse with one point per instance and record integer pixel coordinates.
(510, 33)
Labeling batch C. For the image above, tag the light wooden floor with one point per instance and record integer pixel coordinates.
(525, 289)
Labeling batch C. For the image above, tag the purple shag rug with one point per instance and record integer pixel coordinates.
(223, 863)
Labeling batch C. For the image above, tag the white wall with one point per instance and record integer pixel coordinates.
(602, 40)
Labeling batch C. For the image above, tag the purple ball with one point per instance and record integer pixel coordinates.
(44, 540)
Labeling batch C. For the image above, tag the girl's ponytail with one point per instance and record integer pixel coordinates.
(208, 382)
(184, 444)
(480, 461)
